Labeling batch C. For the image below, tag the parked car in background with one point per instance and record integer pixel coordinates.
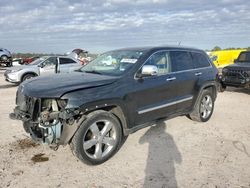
(5, 57)
(17, 61)
(29, 60)
(238, 74)
(96, 113)
(81, 55)
(41, 66)
(223, 58)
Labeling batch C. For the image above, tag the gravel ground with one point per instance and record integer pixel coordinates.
(178, 152)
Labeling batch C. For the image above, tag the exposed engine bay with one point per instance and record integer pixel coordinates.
(47, 120)
(49, 125)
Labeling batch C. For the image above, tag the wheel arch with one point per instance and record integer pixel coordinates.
(209, 86)
(33, 73)
(116, 109)
(213, 89)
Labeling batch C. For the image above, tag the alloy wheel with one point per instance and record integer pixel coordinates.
(206, 106)
(100, 139)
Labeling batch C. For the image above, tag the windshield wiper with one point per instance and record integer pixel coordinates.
(93, 72)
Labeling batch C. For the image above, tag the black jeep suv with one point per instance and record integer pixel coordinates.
(237, 74)
(95, 108)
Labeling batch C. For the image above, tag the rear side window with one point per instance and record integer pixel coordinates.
(200, 60)
(64, 61)
(181, 60)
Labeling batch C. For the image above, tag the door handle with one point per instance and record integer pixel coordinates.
(171, 79)
(198, 73)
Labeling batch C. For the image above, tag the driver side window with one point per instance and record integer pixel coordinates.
(50, 62)
(162, 61)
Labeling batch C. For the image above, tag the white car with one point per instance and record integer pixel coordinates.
(40, 67)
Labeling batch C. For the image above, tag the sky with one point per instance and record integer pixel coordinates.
(59, 26)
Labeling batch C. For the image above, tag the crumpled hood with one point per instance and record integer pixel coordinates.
(54, 86)
(239, 66)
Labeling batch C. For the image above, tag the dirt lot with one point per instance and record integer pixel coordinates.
(178, 152)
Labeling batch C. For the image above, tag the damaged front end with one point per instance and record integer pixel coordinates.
(48, 121)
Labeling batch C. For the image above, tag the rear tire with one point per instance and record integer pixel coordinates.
(204, 107)
(98, 138)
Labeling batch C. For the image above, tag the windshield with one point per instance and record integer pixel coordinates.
(244, 57)
(37, 61)
(114, 63)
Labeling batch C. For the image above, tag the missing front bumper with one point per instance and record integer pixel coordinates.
(19, 115)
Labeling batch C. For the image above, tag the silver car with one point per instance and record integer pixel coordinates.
(40, 67)
(5, 57)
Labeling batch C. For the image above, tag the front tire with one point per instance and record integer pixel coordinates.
(26, 126)
(222, 87)
(4, 58)
(204, 107)
(98, 138)
(27, 77)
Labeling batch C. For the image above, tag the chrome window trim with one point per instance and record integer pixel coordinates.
(188, 70)
(164, 105)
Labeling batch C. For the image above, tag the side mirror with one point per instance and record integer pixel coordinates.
(149, 70)
(41, 65)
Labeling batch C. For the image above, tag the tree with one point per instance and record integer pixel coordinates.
(230, 48)
(216, 48)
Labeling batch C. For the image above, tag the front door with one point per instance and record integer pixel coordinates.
(49, 66)
(154, 96)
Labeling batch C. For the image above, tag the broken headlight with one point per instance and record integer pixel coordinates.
(50, 110)
(53, 104)
(62, 103)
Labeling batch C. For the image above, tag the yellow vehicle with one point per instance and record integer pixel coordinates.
(223, 58)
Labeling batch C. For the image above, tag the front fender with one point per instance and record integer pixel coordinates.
(69, 131)
(115, 106)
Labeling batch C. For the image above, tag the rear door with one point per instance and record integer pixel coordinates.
(67, 65)
(202, 66)
(183, 66)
